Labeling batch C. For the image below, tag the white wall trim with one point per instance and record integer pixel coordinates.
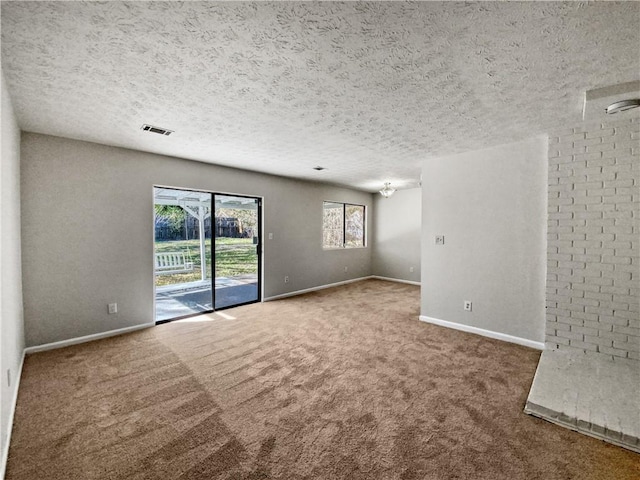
(12, 411)
(485, 333)
(86, 338)
(398, 280)
(313, 289)
(337, 284)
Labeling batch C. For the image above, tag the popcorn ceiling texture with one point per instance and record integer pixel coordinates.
(593, 289)
(366, 89)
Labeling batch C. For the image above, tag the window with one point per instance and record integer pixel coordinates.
(354, 226)
(342, 225)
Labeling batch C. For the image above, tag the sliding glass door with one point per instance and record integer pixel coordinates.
(206, 254)
(237, 250)
(182, 253)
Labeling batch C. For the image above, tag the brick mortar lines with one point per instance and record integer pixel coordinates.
(593, 244)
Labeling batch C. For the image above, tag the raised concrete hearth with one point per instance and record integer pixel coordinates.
(591, 394)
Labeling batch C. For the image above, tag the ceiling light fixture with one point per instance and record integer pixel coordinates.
(387, 191)
(623, 105)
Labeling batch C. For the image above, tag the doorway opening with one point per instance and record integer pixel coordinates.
(207, 252)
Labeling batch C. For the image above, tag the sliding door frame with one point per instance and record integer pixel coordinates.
(258, 247)
(259, 251)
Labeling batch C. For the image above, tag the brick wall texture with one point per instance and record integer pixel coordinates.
(593, 272)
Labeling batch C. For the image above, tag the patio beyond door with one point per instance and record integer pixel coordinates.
(237, 250)
(206, 252)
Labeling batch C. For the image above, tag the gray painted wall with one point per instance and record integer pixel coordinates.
(491, 207)
(11, 324)
(87, 223)
(396, 235)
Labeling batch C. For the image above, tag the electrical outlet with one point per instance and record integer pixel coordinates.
(271, 236)
(411, 269)
(439, 239)
(286, 279)
(113, 308)
(346, 268)
(467, 305)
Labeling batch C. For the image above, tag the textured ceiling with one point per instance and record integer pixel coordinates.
(366, 89)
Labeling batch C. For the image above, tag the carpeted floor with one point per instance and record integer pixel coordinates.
(343, 383)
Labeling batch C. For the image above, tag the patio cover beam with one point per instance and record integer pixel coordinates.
(201, 214)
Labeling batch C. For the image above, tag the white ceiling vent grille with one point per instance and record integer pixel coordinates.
(161, 131)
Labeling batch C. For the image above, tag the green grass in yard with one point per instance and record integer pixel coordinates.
(234, 256)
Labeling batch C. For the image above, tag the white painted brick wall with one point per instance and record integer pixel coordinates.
(593, 239)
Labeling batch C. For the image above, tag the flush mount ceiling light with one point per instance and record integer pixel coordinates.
(602, 102)
(387, 191)
(623, 105)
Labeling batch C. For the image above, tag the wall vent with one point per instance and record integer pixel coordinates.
(161, 131)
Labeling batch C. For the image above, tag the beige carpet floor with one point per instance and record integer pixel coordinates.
(343, 383)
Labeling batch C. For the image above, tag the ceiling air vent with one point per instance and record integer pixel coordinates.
(161, 131)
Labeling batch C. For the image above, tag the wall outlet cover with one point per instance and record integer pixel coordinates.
(439, 239)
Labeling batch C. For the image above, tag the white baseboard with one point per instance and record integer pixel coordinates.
(337, 284)
(12, 411)
(86, 338)
(313, 289)
(485, 333)
(398, 280)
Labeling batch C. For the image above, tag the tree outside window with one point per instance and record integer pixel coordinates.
(343, 225)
